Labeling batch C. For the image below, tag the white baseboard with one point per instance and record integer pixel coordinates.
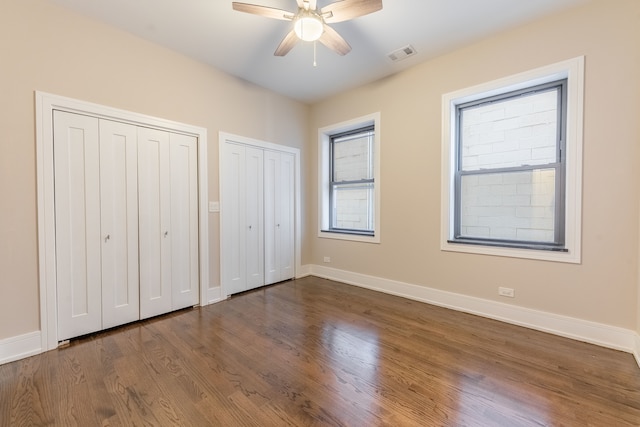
(213, 295)
(26, 345)
(578, 329)
(636, 351)
(303, 271)
(15, 348)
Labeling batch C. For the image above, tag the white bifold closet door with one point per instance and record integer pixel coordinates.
(126, 219)
(119, 223)
(183, 155)
(77, 216)
(278, 216)
(233, 252)
(257, 228)
(254, 226)
(242, 223)
(96, 224)
(167, 200)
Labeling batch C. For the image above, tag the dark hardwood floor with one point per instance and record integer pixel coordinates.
(313, 352)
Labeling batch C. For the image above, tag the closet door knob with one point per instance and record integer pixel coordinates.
(249, 227)
(107, 237)
(166, 233)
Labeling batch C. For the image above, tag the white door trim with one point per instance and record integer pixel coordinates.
(225, 138)
(45, 104)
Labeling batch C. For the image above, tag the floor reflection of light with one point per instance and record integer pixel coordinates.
(355, 351)
(499, 397)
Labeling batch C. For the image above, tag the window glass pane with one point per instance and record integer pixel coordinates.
(516, 206)
(353, 207)
(353, 157)
(512, 132)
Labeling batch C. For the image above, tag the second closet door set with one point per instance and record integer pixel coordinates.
(257, 228)
(126, 222)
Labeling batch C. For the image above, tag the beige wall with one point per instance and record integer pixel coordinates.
(43, 47)
(604, 287)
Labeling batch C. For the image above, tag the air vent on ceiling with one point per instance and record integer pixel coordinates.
(402, 53)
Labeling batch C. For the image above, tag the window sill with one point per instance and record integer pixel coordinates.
(553, 254)
(508, 245)
(352, 236)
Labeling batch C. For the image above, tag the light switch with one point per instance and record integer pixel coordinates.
(214, 206)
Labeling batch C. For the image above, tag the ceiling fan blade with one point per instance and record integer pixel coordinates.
(287, 44)
(334, 41)
(313, 4)
(269, 12)
(348, 9)
(300, 3)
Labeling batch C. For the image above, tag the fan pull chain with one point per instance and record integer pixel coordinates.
(315, 64)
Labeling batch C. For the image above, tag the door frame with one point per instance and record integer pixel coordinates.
(228, 138)
(45, 105)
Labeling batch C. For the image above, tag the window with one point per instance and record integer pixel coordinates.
(351, 196)
(510, 168)
(349, 178)
(512, 158)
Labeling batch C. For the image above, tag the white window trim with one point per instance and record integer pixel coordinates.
(573, 71)
(324, 135)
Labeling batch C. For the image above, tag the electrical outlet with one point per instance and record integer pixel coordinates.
(327, 259)
(506, 292)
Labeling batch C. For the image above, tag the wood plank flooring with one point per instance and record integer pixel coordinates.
(313, 352)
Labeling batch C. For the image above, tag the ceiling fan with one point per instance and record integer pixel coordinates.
(310, 23)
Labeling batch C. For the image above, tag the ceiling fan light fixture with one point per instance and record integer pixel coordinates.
(311, 23)
(308, 27)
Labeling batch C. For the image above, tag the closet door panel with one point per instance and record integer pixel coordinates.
(77, 222)
(271, 217)
(184, 220)
(286, 220)
(278, 216)
(233, 219)
(254, 226)
(119, 223)
(154, 209)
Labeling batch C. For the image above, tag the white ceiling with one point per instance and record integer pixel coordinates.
(242, 44)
